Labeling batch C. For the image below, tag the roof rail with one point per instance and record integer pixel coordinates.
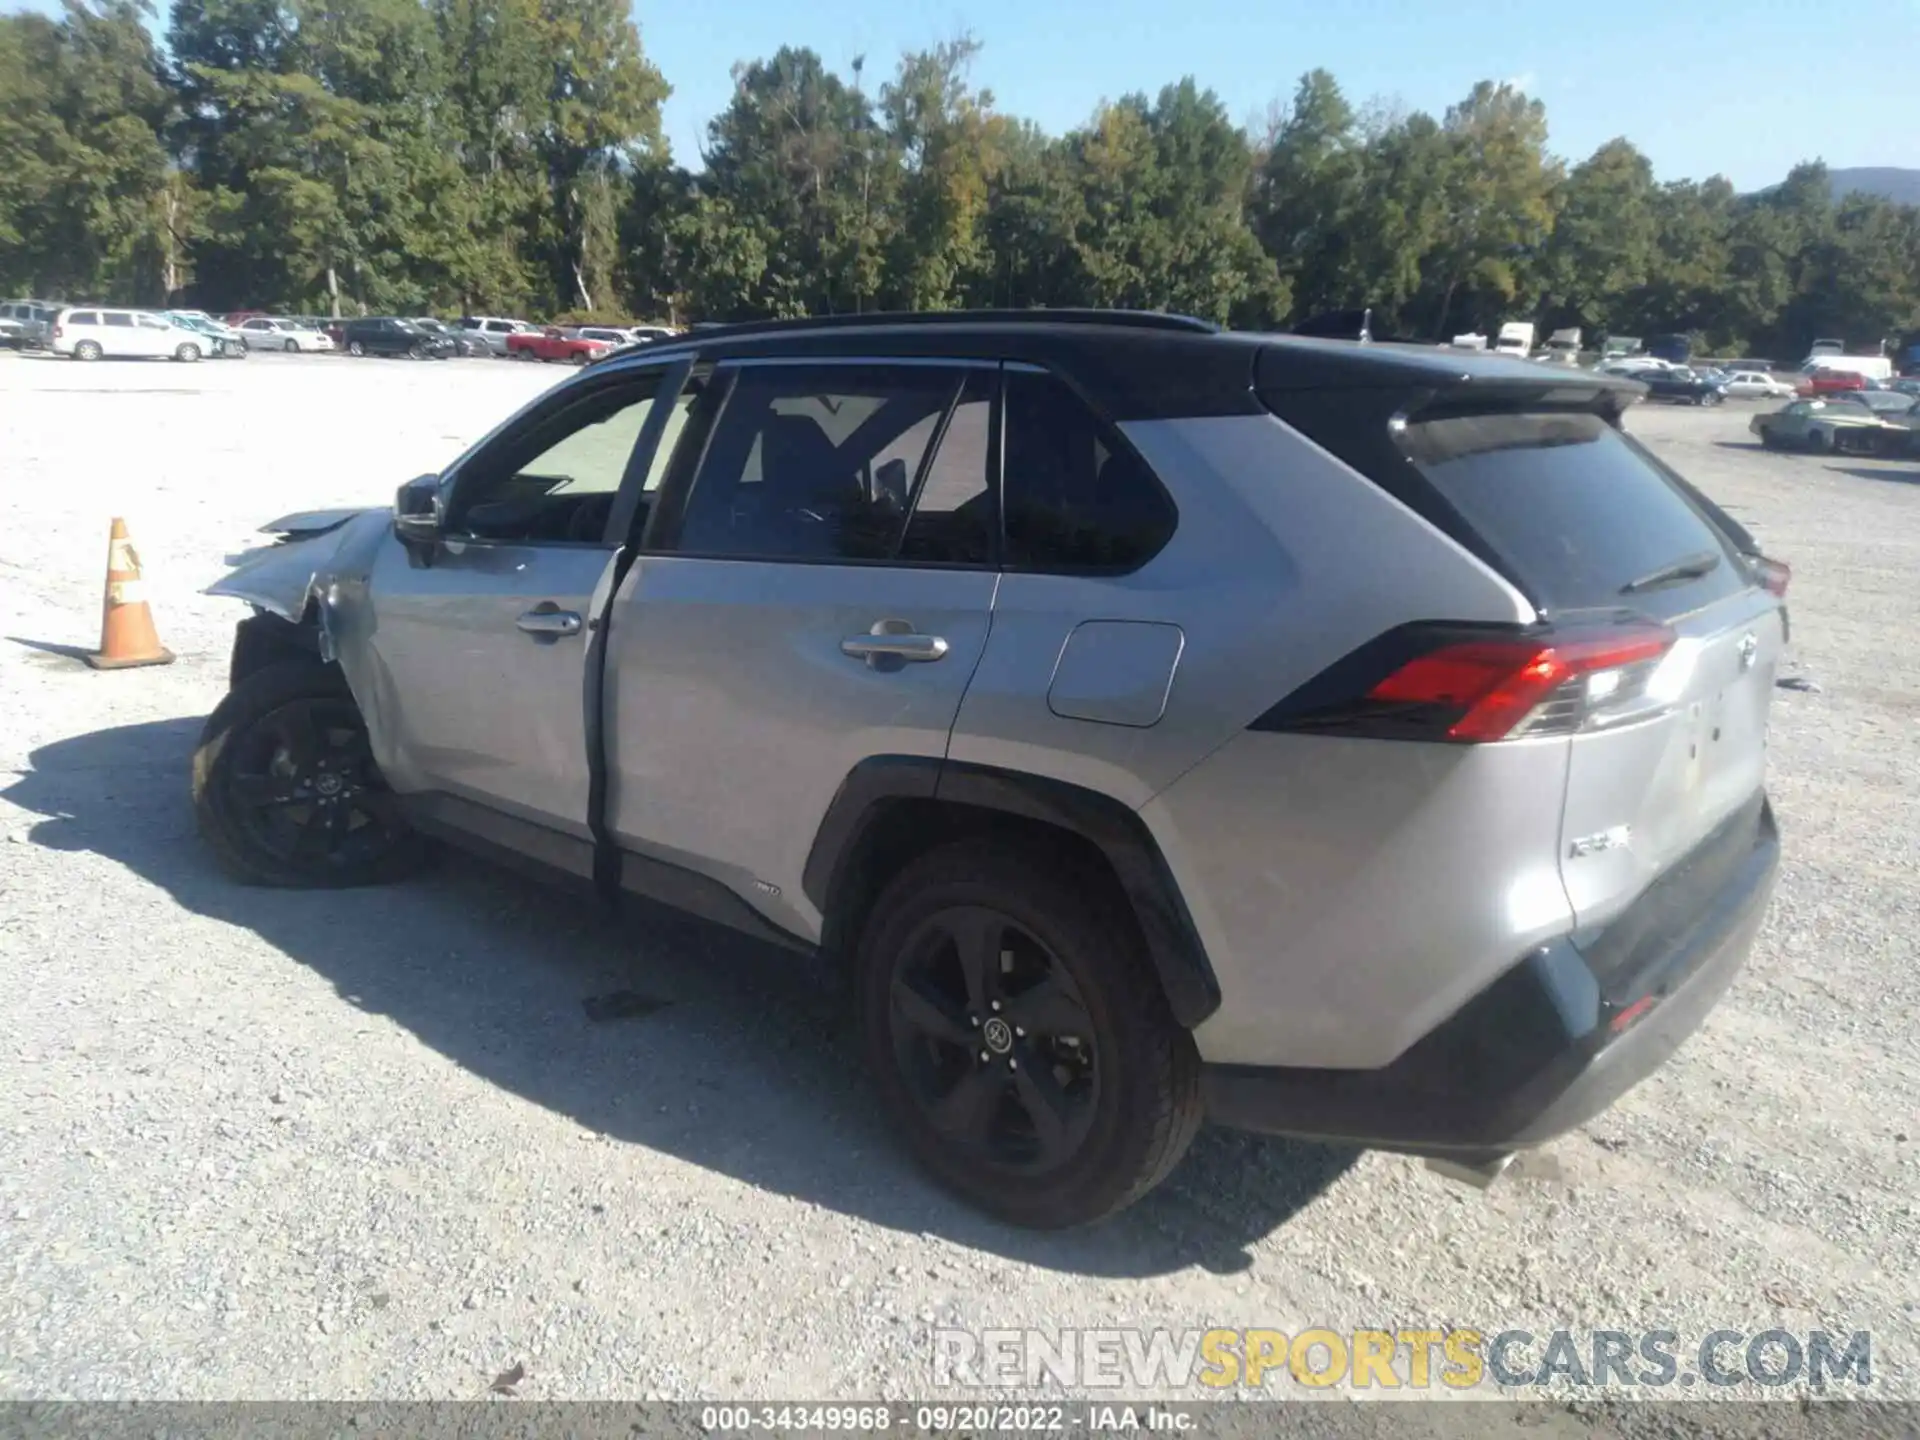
(1131, 319)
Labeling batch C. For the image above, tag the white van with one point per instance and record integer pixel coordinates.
(87, 332)
(1874, 367)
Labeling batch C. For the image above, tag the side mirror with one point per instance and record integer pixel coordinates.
(417, 515)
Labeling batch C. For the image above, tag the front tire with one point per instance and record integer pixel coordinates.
(187, 354)
(285, 789)
(292, 347)
(1018, 1037)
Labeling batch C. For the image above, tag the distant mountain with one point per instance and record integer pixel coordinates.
(1888, 181)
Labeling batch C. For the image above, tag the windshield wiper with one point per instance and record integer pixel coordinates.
(1688, 567)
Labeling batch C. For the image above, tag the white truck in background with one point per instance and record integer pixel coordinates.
(1516, 338)
(1563, 347)
(1871, 367)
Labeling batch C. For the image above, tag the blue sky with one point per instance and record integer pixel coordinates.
(1739, 87)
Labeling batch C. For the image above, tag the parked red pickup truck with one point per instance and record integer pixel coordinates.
(554, 343)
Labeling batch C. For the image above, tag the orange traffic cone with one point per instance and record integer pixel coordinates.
(127, 636)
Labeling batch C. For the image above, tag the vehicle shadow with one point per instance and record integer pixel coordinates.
(1908, 476)
(726, 1053)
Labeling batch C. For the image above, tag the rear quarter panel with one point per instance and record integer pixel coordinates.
(1348, 893)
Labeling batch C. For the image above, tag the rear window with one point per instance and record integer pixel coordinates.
(1574, 510)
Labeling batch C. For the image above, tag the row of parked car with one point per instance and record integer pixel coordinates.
(95, 332)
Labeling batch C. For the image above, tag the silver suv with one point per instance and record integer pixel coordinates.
(1356, 742)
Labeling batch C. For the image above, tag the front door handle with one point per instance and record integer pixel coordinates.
(549, 619)
(892, 643)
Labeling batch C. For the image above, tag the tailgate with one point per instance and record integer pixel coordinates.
(1641, 796)
(1590, 525)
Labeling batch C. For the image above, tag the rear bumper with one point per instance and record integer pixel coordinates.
(1552, 1042)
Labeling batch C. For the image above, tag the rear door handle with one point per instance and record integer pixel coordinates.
(894, 642)
(549, 619)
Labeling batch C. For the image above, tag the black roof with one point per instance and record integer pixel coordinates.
(1140, 365)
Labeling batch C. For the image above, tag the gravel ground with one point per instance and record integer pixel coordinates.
(259, 1144)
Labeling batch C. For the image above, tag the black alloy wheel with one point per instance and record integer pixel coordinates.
(994, 1041)
(286, 790)
(301, 787)
(1017, 1035)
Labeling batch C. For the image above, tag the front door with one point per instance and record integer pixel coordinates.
(817, 593)
(484, 649)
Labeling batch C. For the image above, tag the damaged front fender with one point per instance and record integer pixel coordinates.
(323, 567)
(321, 549)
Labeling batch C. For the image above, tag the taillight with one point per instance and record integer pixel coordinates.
(1470, 686)
(58, 331)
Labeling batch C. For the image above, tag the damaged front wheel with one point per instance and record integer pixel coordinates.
(285, 788)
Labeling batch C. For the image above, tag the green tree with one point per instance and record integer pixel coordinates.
(952, 147)
(82, 105)
(601, 112)
(1495, 184)
(798, 158)
(1309, 198)
(1605, 232)
(310, 130)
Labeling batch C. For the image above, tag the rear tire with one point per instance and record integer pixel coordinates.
(285, 791)
(354, 347)
(1089, 1092)
(88, 350)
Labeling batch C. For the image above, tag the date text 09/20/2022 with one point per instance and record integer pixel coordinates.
(963, 1418)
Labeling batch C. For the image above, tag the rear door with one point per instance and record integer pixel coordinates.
(816, 589)
(1591, 525)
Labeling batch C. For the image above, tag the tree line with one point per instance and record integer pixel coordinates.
(506, 156)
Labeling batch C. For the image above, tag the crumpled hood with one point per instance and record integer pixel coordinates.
(317, 548)
(312, 522)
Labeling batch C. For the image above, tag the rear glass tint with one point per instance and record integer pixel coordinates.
(1574, 510)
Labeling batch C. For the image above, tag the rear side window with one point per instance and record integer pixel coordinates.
(827, 463)
(1076, 499)
(1576, 511)
(83, 317)
(119, 317)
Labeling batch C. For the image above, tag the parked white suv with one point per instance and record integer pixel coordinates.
(92, 333)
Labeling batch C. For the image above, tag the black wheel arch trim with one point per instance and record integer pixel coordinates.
(1173, 943)
(263, 638)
